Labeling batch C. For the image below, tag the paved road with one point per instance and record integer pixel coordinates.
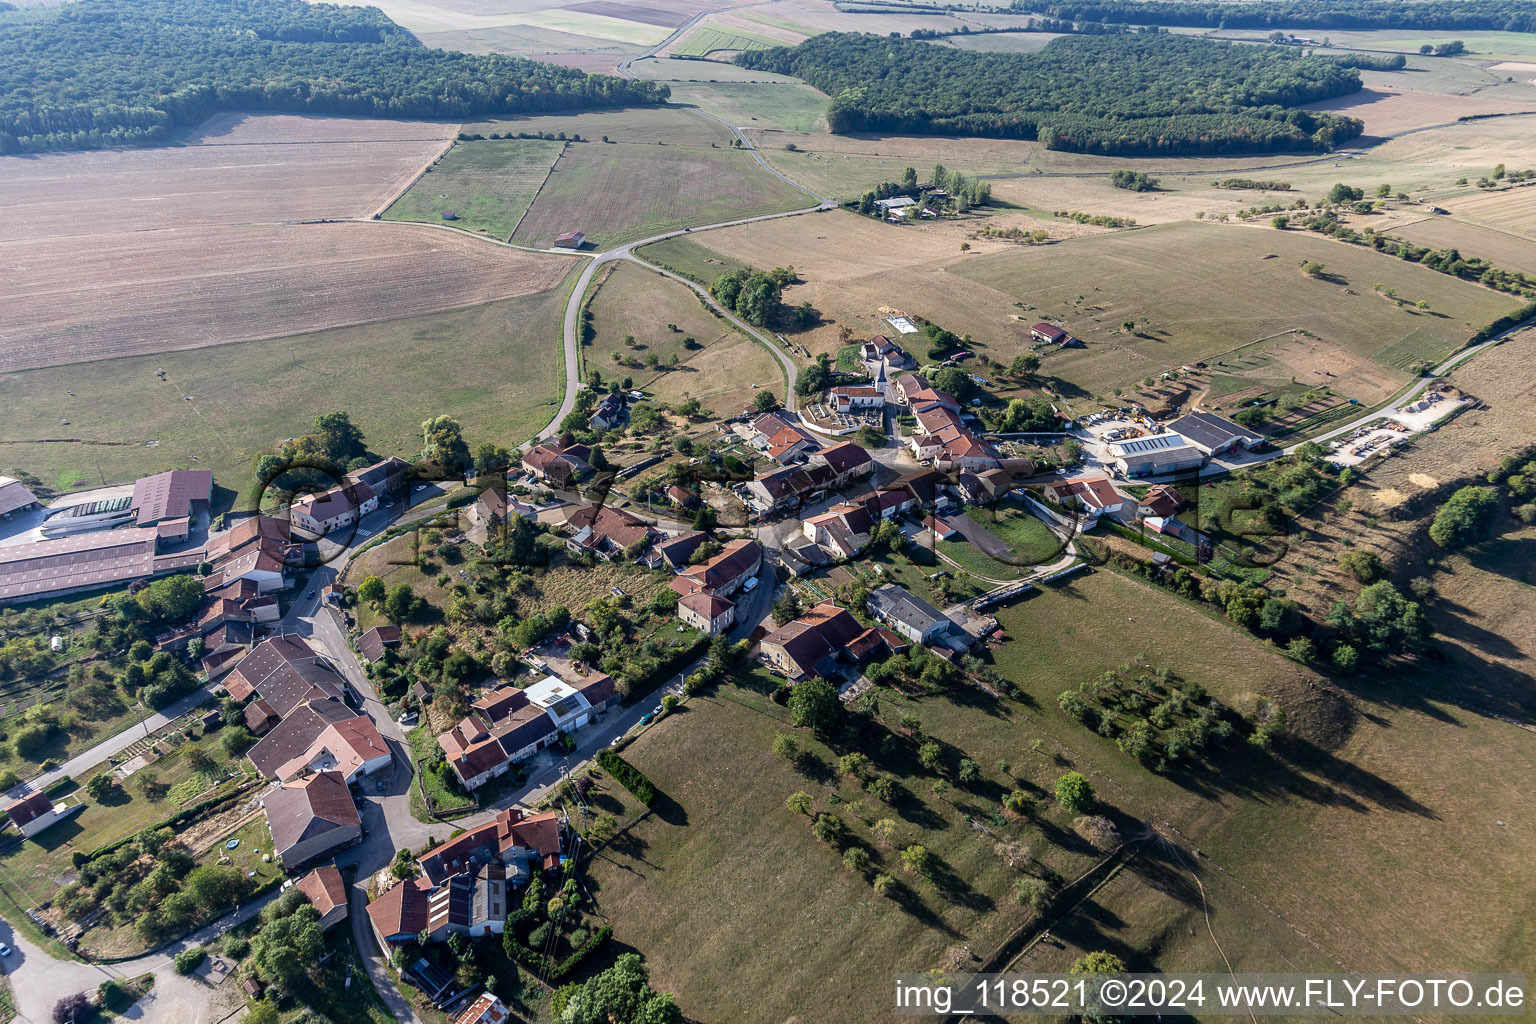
(78, 767)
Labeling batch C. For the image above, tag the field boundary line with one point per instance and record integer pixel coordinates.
(421, 172)
(565, 147)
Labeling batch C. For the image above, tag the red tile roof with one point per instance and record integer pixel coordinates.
(324, 888)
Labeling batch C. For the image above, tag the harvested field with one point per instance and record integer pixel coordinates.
(1389, 111)
(427, 19)
(486, 184)
(620, 193)
(1500, 247)
(496, 367)
(81, 298)
(240, 169)
(1512, 210)
(1001, 42)
(598, 56)
(1426, 164)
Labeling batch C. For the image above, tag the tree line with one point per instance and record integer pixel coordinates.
(110, 73)
(1487, 15)
(1128, 95)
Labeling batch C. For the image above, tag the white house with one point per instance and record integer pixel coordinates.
(706, 612)
(564, 705)
(337, 508)
(35, 813)
(849, 399)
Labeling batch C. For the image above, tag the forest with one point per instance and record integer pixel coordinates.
(1485, 15)
(112, 72)
(1124, 95)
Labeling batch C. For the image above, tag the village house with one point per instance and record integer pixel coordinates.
(762, 428)
(32, 814)
(317, 736)
(674, 552)
(706, 612)
(1215, 435)
(611, 412)
(327, 893)
(258, 550)
(1160, 501)
(494, 505)
(818, 642)
(790, 445)
(847, 461)
(335, 509)
(607, 533)
(843, 530)
(882, 350)
(468, 884)
(853, 398)
(386, 479)
(726, 572)
(558, 464)
(782, 488)
(378, 640)
(908, 614)
(311, 818)
(1093, 493)
(682, 497)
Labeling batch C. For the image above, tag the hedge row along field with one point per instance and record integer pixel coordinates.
(1125, 95)
(111, 73)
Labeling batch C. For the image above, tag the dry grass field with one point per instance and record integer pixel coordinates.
(1364, 842)
(238, 169)
(81, 298)
(1503, 248)
(1512, 210)
(622, 192)
(486, 184)
(647, 126)
(795, 106)
(1205, 290)
(496, 367)
(723, 371)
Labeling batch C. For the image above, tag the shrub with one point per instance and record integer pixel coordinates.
(1074, 792)
(188, 960)
(856, 858)
(829, 828)
(1467, 516)
(627, 775)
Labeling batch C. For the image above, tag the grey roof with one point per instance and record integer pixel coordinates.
(1155, 443)
(896, 604)
(1209, 430)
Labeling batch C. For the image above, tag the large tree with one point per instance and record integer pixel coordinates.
(814, 704)
(287, 946)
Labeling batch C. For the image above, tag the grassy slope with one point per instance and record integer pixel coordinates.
(497, 367)
(622, 192)
(640, 303)
(488, 184)
(1207, 289)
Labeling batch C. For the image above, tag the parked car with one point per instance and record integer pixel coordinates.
(4, 949)
(646, 719)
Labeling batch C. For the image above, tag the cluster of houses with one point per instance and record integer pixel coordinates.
(312, 744)
(347, 503)
(467, 886)
(828, 639)
(509, 725)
